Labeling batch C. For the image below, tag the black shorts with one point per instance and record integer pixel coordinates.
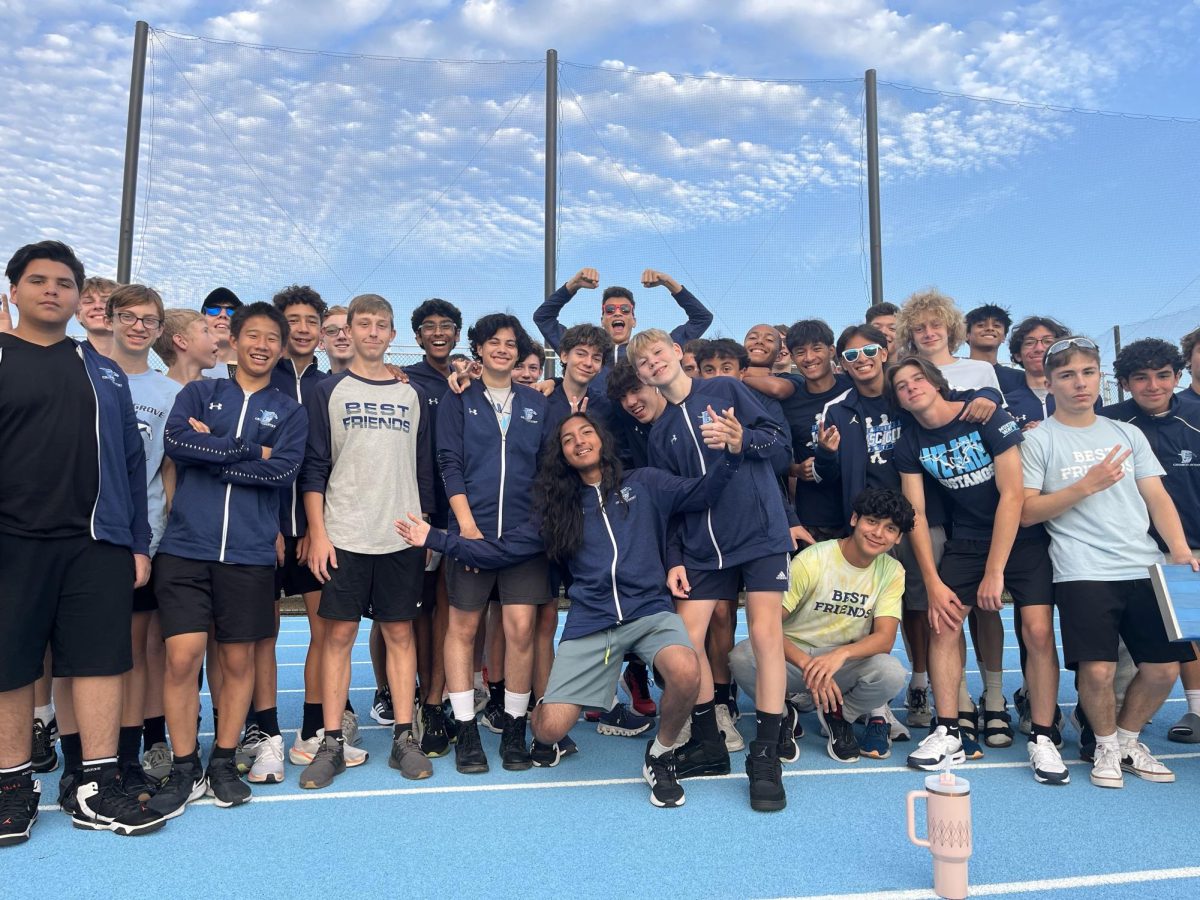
(767, 573)
(74, 595)
(386, 587)
(429, 586)
(1092, 614)
(144, 598)
(1028, 577)
(294, 577)
(526, 583)
(238, 601)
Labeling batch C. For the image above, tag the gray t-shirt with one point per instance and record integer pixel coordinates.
(1104, 537)
(153, 396)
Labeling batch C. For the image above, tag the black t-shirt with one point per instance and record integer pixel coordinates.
(960, 456)
(49, 464)
(817, 502)
(881, 424)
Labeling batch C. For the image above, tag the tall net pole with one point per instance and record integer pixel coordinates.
(873, 188)
(133, 138)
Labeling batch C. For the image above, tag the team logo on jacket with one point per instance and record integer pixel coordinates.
(110, 375)
(1186, 457)
(627, 494)
(267, 418)
(472, 410)
(529, 415)
(214, 406)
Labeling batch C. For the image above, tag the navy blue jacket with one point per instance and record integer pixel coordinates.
(1025, 406)
(293, 521)
(1175, 439)
(1010, 379)
(750, 520)
(433, 385)
(226, 506)
(848, 464)
(618, 573)
(494, 471)
(545, 317)
(119, 515)
(558, 407)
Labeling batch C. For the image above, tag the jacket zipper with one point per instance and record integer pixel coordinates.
(99, 466)
(613, 568)
(503, 461)
(703, 471)
(294, 491)
(229, 487)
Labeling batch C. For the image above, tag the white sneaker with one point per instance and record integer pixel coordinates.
(938, 750)
(896, 729)
(725, 724)
(350, 728)
(1046, 762)
(1137, 760)
(303, 751)
(1106, 767)
(268, 761)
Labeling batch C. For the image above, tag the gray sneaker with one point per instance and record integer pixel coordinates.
(157, 762)
(408, 757)
(350, 727)
(329, 762)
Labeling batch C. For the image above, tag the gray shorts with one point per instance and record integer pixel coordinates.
(526, 583)
(915, 596)
(586, 669)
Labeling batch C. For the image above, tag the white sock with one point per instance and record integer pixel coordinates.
(13, 770)
(516, 705)
(993, 698)
(919, 680)
(1193, 701)
(463, 703)
(1109, 740)
(479, 681)
(658, 748)
(1127, 739)
(46, 713)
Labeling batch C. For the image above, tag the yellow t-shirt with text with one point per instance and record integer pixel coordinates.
(831, 603)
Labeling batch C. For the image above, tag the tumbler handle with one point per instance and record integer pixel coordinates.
(912, 825)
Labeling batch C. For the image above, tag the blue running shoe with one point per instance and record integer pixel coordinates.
(567, 746)
(623, 722)
(877, 740)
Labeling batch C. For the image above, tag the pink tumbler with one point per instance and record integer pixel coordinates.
(948, 815)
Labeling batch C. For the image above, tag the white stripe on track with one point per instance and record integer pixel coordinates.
(263, 796)
(1024, 887)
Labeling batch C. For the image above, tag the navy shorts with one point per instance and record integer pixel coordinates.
(767, 573)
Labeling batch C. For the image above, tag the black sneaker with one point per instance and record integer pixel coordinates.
(842, 745)
(434, 740)
(19, 796)
(184, 784)
(469, 757)
(45, 757)
(493, 717)
(545, 756)
(697, 758)
(105, 806)
(659, 771)
(225, 785)
(1087, 737)
(382, 710)
(135, 783)
(514, 754)
(766, 778)
(66, 791)
(451, 722)
(788, 750)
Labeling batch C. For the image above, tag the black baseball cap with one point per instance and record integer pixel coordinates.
(221, 296)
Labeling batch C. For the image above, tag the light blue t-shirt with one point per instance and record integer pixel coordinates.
(1104, 537)
(153, 396)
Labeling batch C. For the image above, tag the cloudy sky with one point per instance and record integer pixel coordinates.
(720, 142)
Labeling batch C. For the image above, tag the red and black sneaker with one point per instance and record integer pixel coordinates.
(19, 795)
(637, 683)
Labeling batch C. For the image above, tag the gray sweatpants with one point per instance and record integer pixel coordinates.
(866, 684)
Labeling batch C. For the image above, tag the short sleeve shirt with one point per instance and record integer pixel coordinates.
(881, 424)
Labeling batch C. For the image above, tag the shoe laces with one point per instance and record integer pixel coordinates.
(1042, 751)
(15, 794)
(223, 770)
(270, 750)
(252, 738)
(1141, 756)
(1106, 757)
(663, 767)
(116, 801)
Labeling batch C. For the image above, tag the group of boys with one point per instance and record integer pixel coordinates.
(927, 487)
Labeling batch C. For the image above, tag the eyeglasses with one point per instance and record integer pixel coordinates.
(334, 330)
(128, 319)
(1066, 343)
(1030, 343)
(215, 311)
(870, 352)
(611, 309)
(438, 328)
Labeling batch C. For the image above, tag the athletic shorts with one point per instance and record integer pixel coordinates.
(429, 584)
(238, 601)
(74, 595)
(586, 669)
(1093, 614)
(294, 577)
(916, 599)
(767, 573)
(144, 598)
(1028, 577)
(526, 583)
(386, 587)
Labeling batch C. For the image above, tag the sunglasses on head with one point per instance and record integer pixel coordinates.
(1066, 343)
(217, 310)
(870, 352)
(611, 309)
